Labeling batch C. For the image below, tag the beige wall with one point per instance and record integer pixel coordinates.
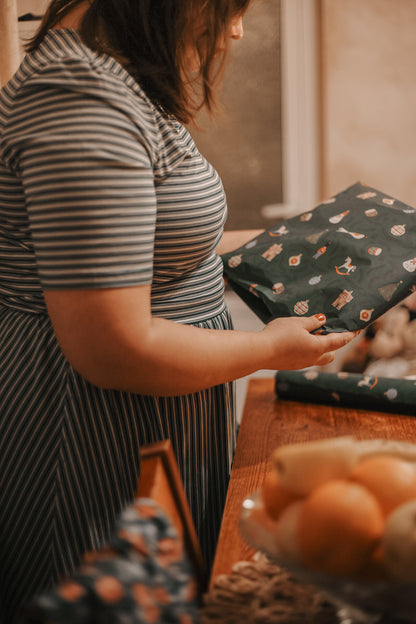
(14, 34)
(9, 44)
(369, 95)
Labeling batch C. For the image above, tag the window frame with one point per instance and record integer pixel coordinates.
(300, 109)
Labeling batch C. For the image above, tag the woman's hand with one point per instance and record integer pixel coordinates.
(293, 346)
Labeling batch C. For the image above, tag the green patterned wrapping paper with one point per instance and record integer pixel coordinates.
(352, 258)
(383, 394)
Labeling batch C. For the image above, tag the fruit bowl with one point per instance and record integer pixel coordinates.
(363, 602)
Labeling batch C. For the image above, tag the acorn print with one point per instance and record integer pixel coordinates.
(331, 200)
(295, 260)
(251, 244)
(301, 307)
(252, 289)
(398, 230)
(365, 315)
(371, 212)
(314, 280)
(272, 252)
(336, 396)
(337, 218)
(234, 261)
(278, 288)
(306, 216)
(374, 251)
(388, 201)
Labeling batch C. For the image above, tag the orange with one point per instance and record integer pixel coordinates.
(340, 525)
(287, 532)
(392, 480)
(275, 497)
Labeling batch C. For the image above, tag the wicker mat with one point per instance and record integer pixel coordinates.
(259, 592)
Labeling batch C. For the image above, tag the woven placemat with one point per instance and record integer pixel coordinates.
(260, 592)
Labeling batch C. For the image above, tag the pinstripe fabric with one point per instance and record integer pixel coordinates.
(97, 189)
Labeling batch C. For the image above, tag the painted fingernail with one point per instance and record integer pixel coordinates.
(320, 317)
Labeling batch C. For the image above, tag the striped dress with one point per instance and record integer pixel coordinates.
(97, 190)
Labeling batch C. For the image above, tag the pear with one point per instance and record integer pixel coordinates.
(302, 467)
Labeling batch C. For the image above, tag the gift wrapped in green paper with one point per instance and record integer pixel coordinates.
(353, 257)
(383, 394)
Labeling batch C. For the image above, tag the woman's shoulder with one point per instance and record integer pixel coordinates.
(64, 61)
(63, 71)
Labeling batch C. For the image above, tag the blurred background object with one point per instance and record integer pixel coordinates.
(368, 95)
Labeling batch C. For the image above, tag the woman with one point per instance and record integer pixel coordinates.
(114, 330)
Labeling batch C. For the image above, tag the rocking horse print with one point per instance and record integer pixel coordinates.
(349, 268)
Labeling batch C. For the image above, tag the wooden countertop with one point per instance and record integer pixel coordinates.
(267, 423)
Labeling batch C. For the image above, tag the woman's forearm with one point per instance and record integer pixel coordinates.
(179, 359)
(111, 339)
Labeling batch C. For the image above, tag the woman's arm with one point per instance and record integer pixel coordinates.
(110, 337)
(232, 239)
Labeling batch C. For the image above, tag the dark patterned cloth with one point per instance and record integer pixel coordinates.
(143, 577)
(352, 258)
(383, 394)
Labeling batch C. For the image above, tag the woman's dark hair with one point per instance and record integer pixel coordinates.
(152, 40)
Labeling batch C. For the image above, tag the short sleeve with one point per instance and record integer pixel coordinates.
(89, 189)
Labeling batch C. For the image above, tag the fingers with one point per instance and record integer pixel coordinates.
(326, 358)
(314, 322)
(335, 340)
(340, 339)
